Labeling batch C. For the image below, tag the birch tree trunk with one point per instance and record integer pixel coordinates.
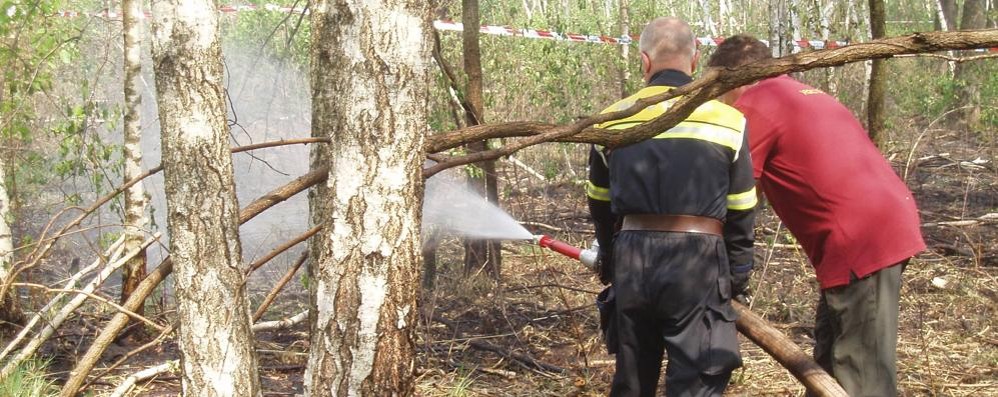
(370, 79)
(215, 340)
(10, 313)
(135, 200)
(625, 31)
(826, 12)
(878, 76)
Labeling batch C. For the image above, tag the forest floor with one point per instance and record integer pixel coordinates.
(534, 333)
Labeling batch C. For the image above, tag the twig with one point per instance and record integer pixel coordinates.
(525, 167)
(278, 287)
(283, 247)
(159, 339)
(131, 380)
(519, 357)
(280, 324)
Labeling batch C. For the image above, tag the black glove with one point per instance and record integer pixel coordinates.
(740, 275)
(604, 265)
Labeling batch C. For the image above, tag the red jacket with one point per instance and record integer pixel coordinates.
(827, 181)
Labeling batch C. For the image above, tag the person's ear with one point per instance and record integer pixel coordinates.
(645, 63)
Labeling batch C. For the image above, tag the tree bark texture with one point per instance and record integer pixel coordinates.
(478, 253)
(215, 339)
(135, 198)
(370, 79)
(875, 114)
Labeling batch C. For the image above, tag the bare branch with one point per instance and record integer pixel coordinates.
(714, 82)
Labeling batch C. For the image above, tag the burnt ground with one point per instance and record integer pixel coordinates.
(533, 333)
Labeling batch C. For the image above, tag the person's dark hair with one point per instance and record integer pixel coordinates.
(738, 50)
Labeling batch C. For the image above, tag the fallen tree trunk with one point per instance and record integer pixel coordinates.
(786, 352)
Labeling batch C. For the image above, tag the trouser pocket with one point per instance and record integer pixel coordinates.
(720, 351)
(606, 303)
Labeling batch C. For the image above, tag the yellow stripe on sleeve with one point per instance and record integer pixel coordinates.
(742, 201)
(597, 193)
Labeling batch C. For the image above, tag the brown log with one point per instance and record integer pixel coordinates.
(786, 352)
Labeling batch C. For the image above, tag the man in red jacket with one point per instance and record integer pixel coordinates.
(843, 202)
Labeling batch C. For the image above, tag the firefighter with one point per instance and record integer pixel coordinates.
(673, 217)
(854, 217)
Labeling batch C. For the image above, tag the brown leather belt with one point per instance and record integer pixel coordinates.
(673, 223)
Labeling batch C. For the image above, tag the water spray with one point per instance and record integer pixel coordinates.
(586, 256)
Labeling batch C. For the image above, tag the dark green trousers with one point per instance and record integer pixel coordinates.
(855, 333)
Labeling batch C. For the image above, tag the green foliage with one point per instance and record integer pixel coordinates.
(28, 380)
(282, 35)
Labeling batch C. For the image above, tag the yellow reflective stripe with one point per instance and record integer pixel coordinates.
(707, 132)
(715, 112)
(596, 192)
(742, 201)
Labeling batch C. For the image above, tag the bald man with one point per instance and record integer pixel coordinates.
(674, 217)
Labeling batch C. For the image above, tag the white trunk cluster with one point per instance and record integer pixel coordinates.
(215, 339)
(370, 69)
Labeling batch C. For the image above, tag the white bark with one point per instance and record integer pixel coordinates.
(370, 75)
(826, 10)
(215, 339)
(131, 380)
(944, 25)
(6, 237)
(708, 21)
(135, 200)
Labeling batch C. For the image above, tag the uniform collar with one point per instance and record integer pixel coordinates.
(670, 77)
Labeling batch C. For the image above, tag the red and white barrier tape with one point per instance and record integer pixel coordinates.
(447, 25)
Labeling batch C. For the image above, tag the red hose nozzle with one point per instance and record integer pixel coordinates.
(587, 257)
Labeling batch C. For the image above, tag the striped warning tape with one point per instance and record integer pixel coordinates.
(448, 25)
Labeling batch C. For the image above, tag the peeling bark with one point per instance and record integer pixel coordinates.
(370, 78)
(215, 339)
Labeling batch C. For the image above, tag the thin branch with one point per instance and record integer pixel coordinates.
(148, 373)
(98, 298)
(283, 247)
(278, 287)
(159, 339)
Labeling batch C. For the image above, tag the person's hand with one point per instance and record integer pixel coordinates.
(604, 265)
(740, 276)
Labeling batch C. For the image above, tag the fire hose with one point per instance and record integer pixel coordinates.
(754, 327)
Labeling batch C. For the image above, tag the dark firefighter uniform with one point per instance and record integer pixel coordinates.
(675, 214)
